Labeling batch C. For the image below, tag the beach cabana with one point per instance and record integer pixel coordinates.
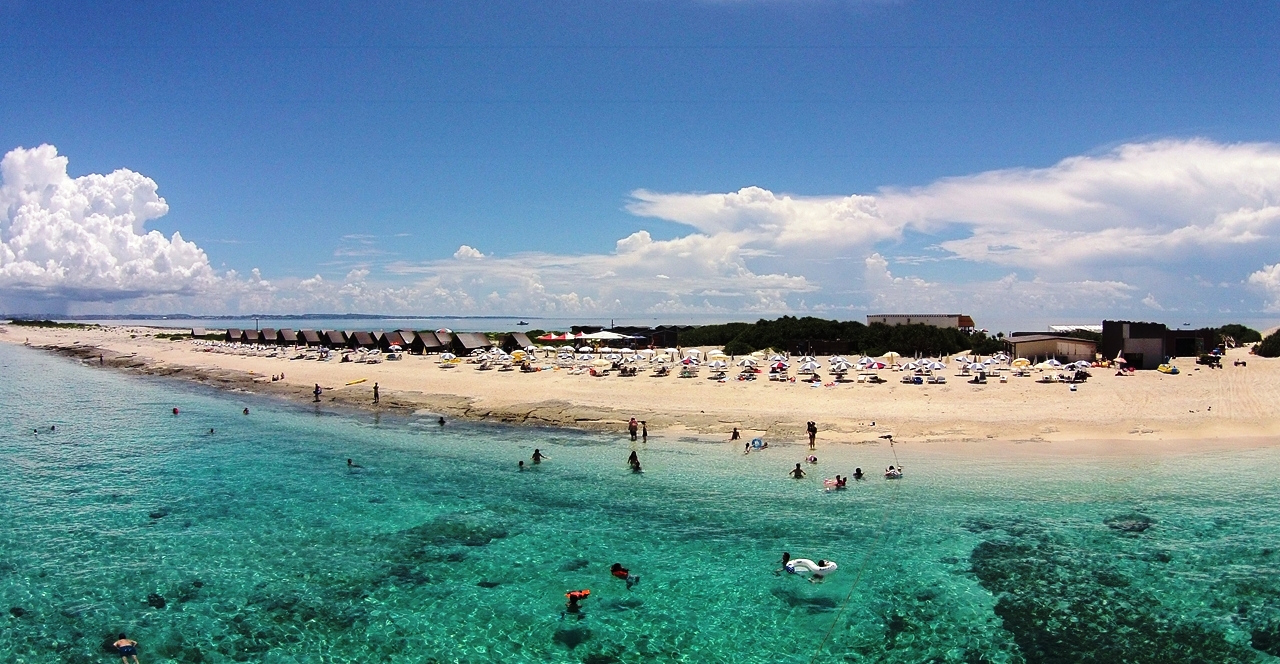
(515, 341)
(333, 338)
(287, 337)
(465, 343)
(270, 336)
(393, 338)
(407, 339)
(251, 336)
(445, 338)
(361, 340)
(234, 335)
(426, 342)
(311, 338)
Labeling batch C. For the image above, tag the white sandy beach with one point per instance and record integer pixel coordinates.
(1200, 404)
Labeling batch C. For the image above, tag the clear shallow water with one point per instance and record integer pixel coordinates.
(265, 548)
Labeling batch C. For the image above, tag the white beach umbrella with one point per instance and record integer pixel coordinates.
(891, 357)
(645, 352)
(1053, 363)
(840, 365)
(747, 362)
(759, 355)
(777, 358)
(585, 357)
(692, 352)
(716, 353)
(585, 349)
(937, 366)
(718, 364)
(448, 356)
(974, 366)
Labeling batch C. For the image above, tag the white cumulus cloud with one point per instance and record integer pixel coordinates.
(465, 252)
(84, 238)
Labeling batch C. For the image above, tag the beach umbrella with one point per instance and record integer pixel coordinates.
(1120, 360)
(689, 362)
(602, 363)
(716, 353)
(810, 366)
(937, 366)
(692, 352)
(780, 365)
(645, 352)
(661, 359)
(444, 330)
(776, 358)
(1053, 363)
(891, 357)
(585, 349)
(613, 357)
(747, 362)
(718, 364)
(1021, 362)
(840, 365)
(974, 366)
(447, 356)
(585, 356)
(518, 356)
(759, 355)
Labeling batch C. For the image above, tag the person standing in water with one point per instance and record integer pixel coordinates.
(798, 473)
(735, 435)
(633, 460)
(317, 392)
(127, 648)
(812, 428)
(375, 393)
(644, 431)
(538, 456)
(633, 427)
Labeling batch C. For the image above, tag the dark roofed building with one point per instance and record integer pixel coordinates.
(269, 335)
(427, 342)
(445, 339)
(361, 340)
(252, 336)
(393, 338)
(287, 337)
(334, 338)
(311, 338)
(234, 334)
(407, 337)
(465, 343)
(516, 341)
(1146, 345)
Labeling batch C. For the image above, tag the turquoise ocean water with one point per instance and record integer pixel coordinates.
(257, 544)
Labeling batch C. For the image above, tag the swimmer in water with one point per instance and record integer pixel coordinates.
(811, 459)
(746, 447)
(210, 432)
(538, 456)
(857, 473)
(633, 460)
(618, 571)
(798, 473)
(127, 648)
(635, 468)
(521, 465)
(786, 558)
(735, 435)
(246, 411)
(574, 597)
(440, 421)
(352, 464)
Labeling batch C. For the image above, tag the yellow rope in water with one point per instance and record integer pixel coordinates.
(862, 568)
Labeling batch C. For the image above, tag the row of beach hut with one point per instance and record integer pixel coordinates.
(411, 341)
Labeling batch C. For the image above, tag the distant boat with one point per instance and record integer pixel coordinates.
(523, 322)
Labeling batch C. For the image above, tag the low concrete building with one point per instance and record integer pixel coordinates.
(959, 321)
(1042, 347)
(1146, 345)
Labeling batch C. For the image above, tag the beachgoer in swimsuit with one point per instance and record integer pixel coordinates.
(538, 456)
(127, 648)
(798, 473)
(317, 392)
(842, 482)
(857, 473)
(786, 558)
(352, 464)
(246, 411)
(735, 435)
(574, 597)
(633, 427)
(440, 421)
(521, 465)
(813, 433)
(625, 574)
(746, 448)
(644, 429)
(633, 459)
(375, 393)
(811, 459)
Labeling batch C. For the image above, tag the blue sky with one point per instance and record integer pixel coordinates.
(460, 158)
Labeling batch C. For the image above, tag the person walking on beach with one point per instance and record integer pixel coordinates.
(633, 427)
(798, 473)
(317, 392)
(375, 393)
(127, 648)
(812, 428)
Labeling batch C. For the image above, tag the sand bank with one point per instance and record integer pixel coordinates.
(1169, 412)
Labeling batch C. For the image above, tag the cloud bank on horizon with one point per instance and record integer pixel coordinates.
(1170, 225)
